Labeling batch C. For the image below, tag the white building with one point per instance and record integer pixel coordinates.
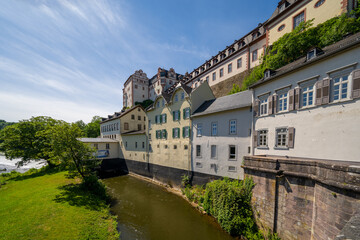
(310, 108)
(221, 135)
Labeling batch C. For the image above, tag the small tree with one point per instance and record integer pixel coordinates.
(92, 129)
(67, 149)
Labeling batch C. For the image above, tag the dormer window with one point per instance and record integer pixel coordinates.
(282, 5)
(208, 65)
(268, 73)
(215, 60)
(313, 53)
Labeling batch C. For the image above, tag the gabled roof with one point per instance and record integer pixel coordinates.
(135, 132)
(277, 11)
(120, 114)
(226, 103)
(97, 140)
(328, 51)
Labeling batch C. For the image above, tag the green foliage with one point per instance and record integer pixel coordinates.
(195, 193)
(235, 89)
(92, 129)
(185, 180)
(4, 124)
(294, 45)
(229, 201)
(145, 103)
(28, 139)
(67, 149)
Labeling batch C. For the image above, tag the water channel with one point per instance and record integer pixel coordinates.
(146, 211)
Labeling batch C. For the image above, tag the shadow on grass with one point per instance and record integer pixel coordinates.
(77, 195)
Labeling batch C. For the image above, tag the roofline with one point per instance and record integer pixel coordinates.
(220, 111)
(123, 114)
(283, 12)
(318, 59)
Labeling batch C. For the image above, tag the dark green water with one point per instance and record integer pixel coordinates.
(147, 211)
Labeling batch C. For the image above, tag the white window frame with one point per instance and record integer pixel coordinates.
(199, 130)
(283, 133)
(232, 123)
(221, 72)
(235, 154)
(298, 22)
(187, 113)
(283, 101)
(231, 170)
(307, 93)
(214, 76)
(262, 135)
(229, 68)
(211, 151)
(239, 63)
(187, 132)
(214, 126)
(176, 133)
(263, 106)
(340, 85)
(163, 117)
(177, 115)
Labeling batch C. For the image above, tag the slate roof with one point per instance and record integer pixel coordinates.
(97, 140)
(277, 12)
(134, 132)
(328, 51)
(230, 102)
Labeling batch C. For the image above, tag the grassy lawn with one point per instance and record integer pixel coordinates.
(52, 206)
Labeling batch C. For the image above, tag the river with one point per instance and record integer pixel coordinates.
(10, 165)
(147, 211)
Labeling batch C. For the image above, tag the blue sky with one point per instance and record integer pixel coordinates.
(69, 59)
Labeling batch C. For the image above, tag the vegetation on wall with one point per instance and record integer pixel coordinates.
(295, 44)
(145, 103)
(229, 201)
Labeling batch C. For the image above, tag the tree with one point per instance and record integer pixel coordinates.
(28, 140)
(81, 125)
(67, 149)
(4, 124)
(92, 129)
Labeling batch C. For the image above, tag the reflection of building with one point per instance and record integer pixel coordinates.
(138, 87)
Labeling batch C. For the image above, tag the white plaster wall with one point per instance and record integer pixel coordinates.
(329, 131)
(115, 132)
(241, 140)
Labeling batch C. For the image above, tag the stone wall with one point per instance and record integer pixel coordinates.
(304, 198)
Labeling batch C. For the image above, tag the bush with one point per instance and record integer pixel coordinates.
(229, 201)
(94, 185)
(185, 180)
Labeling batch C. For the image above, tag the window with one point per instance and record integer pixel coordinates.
(163, 118)
(186, 132)
(163, 134)
(254, 55)
(221, 72)
(198, 151)
(199, 130)
(319, 3)
(207, 78)
(136, 86)
(139, 127)
(176, 98)
(213, 129)
(281, 137)
(176, 115)
(214, 76)
(213, 153)
(139, 118)
(175, 146)
(232, 127)
(158, 134)
(158, 104)
(232, 152)
(150, 136)
(239, 63)
(186, 113)
(262, 138)
(135, 144)
(232, 169)
(298, 19)
(143, 144)
(281, 28)
(176, 132)
(182, 96)
(307, 96)
(163, 102)
(283, 102)
(96, 146)
(133, 116)
(230, 68)
(263, 106)
(340, 87)
(199, 165)
(108, 146)
(126, 126)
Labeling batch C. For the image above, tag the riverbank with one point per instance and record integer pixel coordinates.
(7, 165)
(47, 205)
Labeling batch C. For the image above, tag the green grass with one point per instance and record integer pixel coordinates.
(51, 206)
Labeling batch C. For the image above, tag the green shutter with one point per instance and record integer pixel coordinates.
(165, 134)
(173, 115)
(173, 132)
(156, 119)
(189, 132)
(165, 117)
(183, 132)
(183, 113)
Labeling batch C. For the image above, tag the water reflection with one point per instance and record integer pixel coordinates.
(147, 211)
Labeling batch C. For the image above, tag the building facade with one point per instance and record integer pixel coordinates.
(221, 135)
(310, 108)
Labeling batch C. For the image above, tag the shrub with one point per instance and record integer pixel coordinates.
(94, 185)
(185, 180)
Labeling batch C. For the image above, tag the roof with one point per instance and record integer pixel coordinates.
(230, 102)
(277, 12)
(120, 114)
(328, 51)
(97, 140)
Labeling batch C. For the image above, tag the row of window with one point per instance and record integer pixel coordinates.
(214, 152)
(214, 128)
(96, 146)
(214, 167)
(176, 116)
(110, 127)
(284, 138)
(126, 126)
(306, 95)
(138, 118)
(135, 144)
(166, 146)
(162, 134)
